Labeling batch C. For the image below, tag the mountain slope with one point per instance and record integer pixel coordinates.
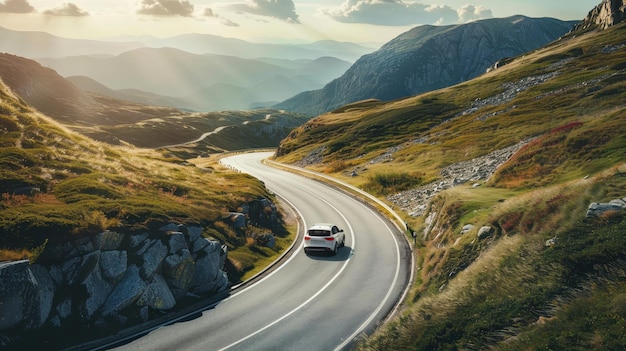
(498, 179)
(102, 114)
(51, 94)
(89, 85)
(430, 57)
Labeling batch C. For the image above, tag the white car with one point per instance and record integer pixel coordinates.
(324, 237)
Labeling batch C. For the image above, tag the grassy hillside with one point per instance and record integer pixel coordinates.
(57, 184)
(237, 129)
(545, 276)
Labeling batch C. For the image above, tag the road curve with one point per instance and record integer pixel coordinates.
(309, 302)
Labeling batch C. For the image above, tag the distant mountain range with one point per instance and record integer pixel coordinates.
(196, 72)
(212, 44)
(36, 45)
(203, 82)
(151, 71)
(428, 58)
(40, 44)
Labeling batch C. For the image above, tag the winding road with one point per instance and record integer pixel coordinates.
(308, 302)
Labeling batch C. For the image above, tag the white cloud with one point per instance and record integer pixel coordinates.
(469, 13)
(229, 23)
(181, 8)
(16, 6)
(281, 9)
(399, 13)
(66, 9)
(208, 12)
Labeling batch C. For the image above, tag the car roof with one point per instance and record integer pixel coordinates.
(321, 226)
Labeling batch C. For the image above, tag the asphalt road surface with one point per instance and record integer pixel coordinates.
(315, 302)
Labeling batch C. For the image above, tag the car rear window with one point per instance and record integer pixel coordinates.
(319, 232)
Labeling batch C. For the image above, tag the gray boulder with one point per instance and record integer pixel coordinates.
(176, 242)
(178, 271)
(484, 232)
(129, 289)
(44, 286)
(21, 296)
(108, 240)
(598, 210)
(157, 295)
(97, 290)
(113, 264)
(153, 254)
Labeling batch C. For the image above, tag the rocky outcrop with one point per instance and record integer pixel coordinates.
(115, 280)
(608, 13)
(600, 210)
(112, 279)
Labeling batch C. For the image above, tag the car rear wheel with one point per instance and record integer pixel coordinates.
(335, 249)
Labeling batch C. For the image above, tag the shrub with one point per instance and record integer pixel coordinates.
(387, 183)
(85, 187)
(8, 124)
(337, 166)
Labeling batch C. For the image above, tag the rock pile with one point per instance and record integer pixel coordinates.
(415, 201)
(109, 280)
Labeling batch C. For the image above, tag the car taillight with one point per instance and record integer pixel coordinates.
(307, 238)
(329, 239)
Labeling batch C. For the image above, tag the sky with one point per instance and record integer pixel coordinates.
(267, 21)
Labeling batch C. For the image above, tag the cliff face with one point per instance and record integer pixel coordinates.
(606, 14)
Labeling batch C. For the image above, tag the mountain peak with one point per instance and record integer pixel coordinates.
(607, 13)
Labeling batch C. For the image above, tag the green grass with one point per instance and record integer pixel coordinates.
(58, 185)
(516, 286)
(391, 182)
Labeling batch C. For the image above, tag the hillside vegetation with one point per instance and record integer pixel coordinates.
(544, 275)
(59, 185)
